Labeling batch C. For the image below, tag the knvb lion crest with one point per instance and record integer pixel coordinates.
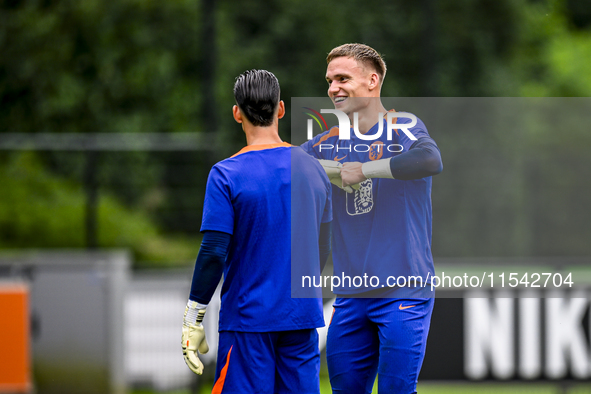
(360, 201)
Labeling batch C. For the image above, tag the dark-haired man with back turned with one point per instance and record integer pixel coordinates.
(268, 341)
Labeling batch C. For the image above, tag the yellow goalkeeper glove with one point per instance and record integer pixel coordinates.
(333, 171)
(193, 339)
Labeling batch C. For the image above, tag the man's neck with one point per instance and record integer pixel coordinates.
(256, 135)
(370, 115)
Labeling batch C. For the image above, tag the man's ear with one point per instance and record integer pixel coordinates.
(237, 114)
(374, 81)
(281, 110)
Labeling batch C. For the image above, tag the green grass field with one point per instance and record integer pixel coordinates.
(457, 388)
(486, 388)
(502, 388)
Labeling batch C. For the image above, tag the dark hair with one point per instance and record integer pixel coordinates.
(257, 95)
(362, 53)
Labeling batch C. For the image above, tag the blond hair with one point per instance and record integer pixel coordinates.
(361, 53)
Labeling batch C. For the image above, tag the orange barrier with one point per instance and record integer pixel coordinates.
(15, 365)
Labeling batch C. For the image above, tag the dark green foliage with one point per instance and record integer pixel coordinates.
(169, 66)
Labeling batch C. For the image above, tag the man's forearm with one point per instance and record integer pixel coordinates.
(209, 266)
(423, 159)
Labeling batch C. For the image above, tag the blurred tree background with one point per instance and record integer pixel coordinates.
(133, 66)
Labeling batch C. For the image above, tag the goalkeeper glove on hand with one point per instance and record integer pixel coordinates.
(193, 338)
(333, 171)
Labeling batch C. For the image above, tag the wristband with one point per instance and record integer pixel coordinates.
(194, 314)
(377, 169)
